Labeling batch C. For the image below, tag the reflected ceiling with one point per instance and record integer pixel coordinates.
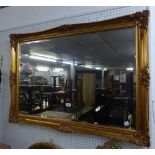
(115, 48)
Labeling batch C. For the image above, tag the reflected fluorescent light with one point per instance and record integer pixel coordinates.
(129, 69)
(43, 55)
(42, 68)
(87, 66)
(98, 68)
(105, 69)
(75, 64)
(58, 70)
(66, 62)
(42, 58)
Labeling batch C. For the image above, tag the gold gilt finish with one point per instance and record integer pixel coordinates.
(110, 144)
(145, 76)
(140, 135)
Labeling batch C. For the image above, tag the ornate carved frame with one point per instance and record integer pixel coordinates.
(139, 135)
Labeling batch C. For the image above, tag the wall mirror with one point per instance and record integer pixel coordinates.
(85, 78)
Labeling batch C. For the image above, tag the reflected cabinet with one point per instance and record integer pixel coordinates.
(89, 78)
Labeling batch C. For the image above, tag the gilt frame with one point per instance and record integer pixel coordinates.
(139, 135)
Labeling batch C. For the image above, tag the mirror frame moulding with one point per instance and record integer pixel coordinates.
(139, 135)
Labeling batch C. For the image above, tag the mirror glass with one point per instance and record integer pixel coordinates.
(87, 78)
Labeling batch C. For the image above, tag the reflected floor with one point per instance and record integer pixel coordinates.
(55, 114)
(87, 114)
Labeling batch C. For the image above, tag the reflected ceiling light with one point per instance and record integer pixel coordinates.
(42, 58)
(58, 70)
(43, 55)
(75, 64)
(66, 62)
(98, 68)
(129, 69)
(105, 69)
(87, 66)
(42, 68)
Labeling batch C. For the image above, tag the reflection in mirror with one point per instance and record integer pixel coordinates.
(87, 78)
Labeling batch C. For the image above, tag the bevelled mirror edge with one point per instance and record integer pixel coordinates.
(140, 135)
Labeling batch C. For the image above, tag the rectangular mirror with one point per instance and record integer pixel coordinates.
(88, 78)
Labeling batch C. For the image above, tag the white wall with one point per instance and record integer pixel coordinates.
(13, 17)
(22, 135)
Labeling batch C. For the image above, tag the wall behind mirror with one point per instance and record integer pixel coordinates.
(86, 78)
